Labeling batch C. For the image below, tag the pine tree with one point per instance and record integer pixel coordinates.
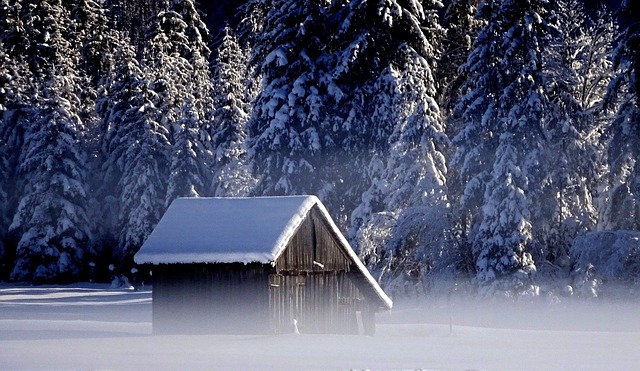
(51, 222)
(15, 99)
(291, 129)
(96, 38)
(416, 174)
(116, 95)
(134, 17)
(232, 176)
(186, 178)
(622, 205)
(314, 117)
(595, 70)
(176, 59)
(197, 52)
(374, 41)
(51, 219)
(144, 166)
(501, 148)
(135, 152)
(408, 171)
(461, 26)
(578, 70)
(164, 60)
(373, 37)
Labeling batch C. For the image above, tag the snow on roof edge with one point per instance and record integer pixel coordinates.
(189, 258)
(293, 224)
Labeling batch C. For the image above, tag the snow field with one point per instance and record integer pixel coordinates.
(93, 327)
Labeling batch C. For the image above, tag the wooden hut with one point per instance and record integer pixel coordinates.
(257, 265)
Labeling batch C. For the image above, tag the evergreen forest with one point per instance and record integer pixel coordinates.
(486, 144)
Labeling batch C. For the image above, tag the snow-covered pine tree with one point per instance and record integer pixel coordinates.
(475, 142)
(196, 114)
(372, 38)
(291, 130)
(15, 98)
(51, 222)
(231, 176)
(176, 58)
(136, 157)
(461, 25)
(165, 63)
(116, 95)
(408, 172)
(501, 149)
(622, 198)
(144, 162)
(578, 68)
(51, 218)
(95, 37)
(370, 223)
(196, 31)
(186, 176)
(134, 17)
(595, 70)
(417, 194)
(370, 226)
(197, 52)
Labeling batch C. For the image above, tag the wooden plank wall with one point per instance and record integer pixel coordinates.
(314, 284)
(211, 298)
(323, 302)
(313, 242)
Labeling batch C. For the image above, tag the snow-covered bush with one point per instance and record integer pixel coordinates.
(606, 257)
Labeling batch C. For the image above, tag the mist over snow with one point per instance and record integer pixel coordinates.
(95, 327)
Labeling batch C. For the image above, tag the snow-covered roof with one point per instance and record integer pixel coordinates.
(235, 230)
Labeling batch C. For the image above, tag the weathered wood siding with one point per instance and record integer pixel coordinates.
(211, 298)
(314, 283)
(313, 242)
(321, 302)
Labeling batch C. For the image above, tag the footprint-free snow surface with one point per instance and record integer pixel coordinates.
(94, 327)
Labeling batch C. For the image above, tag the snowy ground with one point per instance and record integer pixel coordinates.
(93, 327)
